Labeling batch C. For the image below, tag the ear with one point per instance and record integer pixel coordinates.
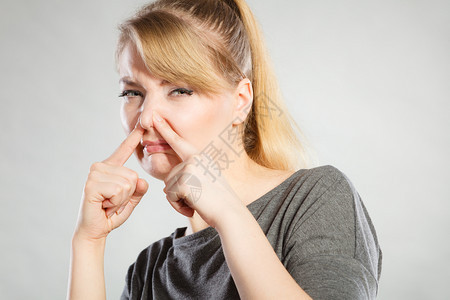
(243, 101)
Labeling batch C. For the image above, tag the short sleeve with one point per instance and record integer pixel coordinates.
(127, 288)
(334, 277)
(135, 279)
(332, 250)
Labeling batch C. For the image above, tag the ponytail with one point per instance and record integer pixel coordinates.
(269, 137)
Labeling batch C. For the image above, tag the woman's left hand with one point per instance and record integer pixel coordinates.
(189, 186)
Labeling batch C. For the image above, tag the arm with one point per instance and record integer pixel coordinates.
(86, 277)
(256, 269)
(254, 265)
(109, 197)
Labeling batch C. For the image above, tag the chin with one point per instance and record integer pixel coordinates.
(159, 165)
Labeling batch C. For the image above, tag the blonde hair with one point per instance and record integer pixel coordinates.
(211, 45)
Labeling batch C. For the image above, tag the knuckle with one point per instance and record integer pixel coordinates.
(90, 176)
(166, 180)
(95, 166)
(194, 159)
(134, 177)
(127, 187)
(172, 196)
(94, 173)
(88, 186)
(169, 198)
(169, 190)
(190, 168)
(118, 189)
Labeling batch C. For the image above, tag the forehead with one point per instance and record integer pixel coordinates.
(131, 64)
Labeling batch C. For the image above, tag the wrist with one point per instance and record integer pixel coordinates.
(232, 217)
(80, 239)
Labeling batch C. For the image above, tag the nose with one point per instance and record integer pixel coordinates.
(146, 113)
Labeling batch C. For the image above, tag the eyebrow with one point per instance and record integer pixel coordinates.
(128, 81)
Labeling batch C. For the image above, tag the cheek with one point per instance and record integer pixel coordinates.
(185, 124)
(199, 127)
(128, 118)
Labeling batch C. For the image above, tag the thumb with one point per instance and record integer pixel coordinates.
(139, 192)
(141, 189)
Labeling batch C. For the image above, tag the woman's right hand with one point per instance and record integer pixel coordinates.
(111, 192)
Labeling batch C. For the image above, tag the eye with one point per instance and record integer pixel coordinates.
(131, 93)
(181, 91)
(132, 96)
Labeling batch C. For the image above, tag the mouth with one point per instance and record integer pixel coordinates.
(157, 146)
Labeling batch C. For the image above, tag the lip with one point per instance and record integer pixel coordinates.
(155, 146)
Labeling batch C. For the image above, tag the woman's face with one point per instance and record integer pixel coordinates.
(193, 116)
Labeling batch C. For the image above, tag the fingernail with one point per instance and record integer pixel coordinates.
(157, 116)
(138, 122)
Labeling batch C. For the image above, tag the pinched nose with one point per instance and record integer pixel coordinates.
(146, 119)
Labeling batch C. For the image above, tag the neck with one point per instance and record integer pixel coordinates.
(242, 175)
(248, 179)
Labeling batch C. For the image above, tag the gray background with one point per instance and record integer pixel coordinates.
(368, 82)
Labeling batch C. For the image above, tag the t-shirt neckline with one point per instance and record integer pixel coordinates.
(209, 232)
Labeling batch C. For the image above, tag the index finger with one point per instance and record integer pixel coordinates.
(182, 147)
(126, 148)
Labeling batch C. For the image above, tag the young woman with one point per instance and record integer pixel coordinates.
(203, 113)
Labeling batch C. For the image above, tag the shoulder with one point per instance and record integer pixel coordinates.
(327, 170)
(325, 192)
(323, 213)
(332, 220)
(327, 174)
(323, 184)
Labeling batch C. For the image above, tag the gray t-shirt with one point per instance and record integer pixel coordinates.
(314, 220)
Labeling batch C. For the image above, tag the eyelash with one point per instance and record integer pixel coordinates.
(182, 91)
(127, 92)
